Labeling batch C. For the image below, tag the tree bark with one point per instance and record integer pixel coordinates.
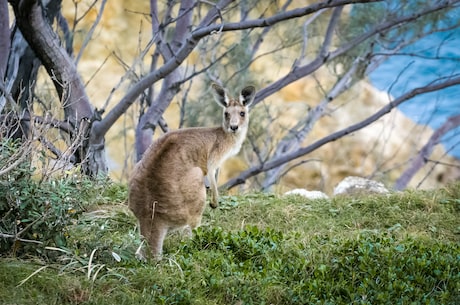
(4, 39)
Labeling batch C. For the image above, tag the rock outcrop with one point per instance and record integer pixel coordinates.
(357, 185)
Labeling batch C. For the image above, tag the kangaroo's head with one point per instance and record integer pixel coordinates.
(235, 114)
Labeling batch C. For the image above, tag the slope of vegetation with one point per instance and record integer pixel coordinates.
(255, 249)
(71, 240)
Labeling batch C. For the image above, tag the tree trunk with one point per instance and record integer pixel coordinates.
(61, 68)
(20, 79)
(4, 39)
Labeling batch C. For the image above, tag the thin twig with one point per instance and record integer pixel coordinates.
(15, 237)
(89, 36)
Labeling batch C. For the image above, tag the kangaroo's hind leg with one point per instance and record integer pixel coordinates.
(158, 231)
(142, 207)
(194, 195)
(145, 225)
(152, 228)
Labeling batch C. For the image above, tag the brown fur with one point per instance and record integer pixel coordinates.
(166, 188)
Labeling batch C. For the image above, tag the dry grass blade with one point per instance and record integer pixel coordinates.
(34, 273)
(90, 268)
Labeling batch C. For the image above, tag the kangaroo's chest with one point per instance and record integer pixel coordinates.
(224, 153)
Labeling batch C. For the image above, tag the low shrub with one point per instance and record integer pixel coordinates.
(36, 213)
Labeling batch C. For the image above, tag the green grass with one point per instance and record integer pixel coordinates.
(402, 248)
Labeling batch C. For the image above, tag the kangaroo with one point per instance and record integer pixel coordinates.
(167, 189)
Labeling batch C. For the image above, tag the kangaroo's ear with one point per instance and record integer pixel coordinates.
(247, 95)
(220, 95)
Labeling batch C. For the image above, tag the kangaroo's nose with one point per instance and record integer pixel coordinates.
(234, 127)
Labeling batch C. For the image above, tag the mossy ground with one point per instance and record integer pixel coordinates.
(402, 248)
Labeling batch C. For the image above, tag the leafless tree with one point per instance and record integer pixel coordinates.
(260, 29)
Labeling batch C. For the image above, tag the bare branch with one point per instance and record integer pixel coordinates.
(272, 20)
(78, 19)
(264, 33)
(6, 96)
(90, 33)
(18, 159)
(330, 31)
(424, 154)
(297, 134)
(305, 34)
(434, 86)
(15, 237)
(101, 128)
(61, 125)
(299, 72)
(204, 29)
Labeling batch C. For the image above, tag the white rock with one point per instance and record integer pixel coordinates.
(307, 194)
(353, 185)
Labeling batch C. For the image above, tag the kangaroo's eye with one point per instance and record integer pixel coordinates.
(242, 114)
(226, 115)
